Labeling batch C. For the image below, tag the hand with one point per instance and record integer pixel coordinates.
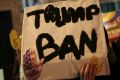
(31, 68)
(87, 72)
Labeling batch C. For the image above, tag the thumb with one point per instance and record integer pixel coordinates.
(41, 63)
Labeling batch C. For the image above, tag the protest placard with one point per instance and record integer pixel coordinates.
(67, 34)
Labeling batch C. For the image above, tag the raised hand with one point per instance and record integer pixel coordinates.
(32, 68)
(87, 72)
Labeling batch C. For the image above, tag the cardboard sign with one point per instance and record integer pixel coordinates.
(67, 34)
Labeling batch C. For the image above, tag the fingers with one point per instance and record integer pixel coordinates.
(90, 73)
(29, 59)
(31, 67)
(41, 61)
(87, 72)
(94, 72)
(82, 70)
(41, 64)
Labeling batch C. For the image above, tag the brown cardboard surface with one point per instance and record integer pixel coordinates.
(69, 67)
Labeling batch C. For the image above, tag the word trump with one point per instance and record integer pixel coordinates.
(52, 14)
